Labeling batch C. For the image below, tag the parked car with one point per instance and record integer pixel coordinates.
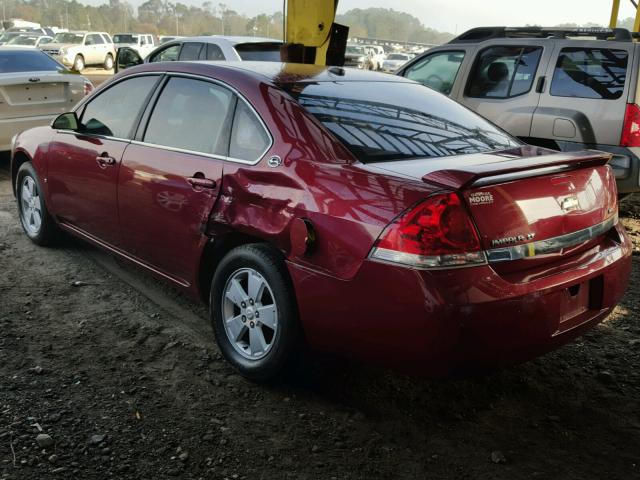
(394, 61)
(352, 212)
(143, 43)
(564, 89)
(357, 56)
(212, 47)
(34, 89)
(28, 40)
(376, 56)
(80, 49)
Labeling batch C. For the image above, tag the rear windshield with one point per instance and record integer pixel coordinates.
(120, 38)
(262, 52)
(385, 121)
(28, 60)
(397, 56)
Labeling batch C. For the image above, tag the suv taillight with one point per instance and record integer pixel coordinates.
(631, 127)
(436, 233)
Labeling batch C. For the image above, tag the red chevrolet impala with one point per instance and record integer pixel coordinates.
(347, 211)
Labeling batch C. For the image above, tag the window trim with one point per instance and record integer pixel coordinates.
(142, 127)
(420, 61)
(627, 77)
(509, 97)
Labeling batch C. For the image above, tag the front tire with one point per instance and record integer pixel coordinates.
(35, 219)
(78, 63)
(108, 62)
(254, 313)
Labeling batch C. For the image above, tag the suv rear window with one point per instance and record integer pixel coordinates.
(404, 121)
(598, 73)
(504, 72)
(263, 52)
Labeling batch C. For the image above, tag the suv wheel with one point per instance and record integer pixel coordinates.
(253, 312)
(78, 63)
(108, 62)
(36, 221)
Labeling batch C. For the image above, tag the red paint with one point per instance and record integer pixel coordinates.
(146, 208)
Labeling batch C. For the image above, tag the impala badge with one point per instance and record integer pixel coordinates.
(499, 242)
(569, 204)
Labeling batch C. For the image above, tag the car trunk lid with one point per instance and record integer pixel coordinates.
(38, 93)
(527, 202)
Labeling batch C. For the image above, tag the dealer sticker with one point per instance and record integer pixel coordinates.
(480, 198)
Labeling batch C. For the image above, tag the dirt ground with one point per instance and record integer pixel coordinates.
(120, 378)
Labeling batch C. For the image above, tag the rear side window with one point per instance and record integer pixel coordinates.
(249, 140)
(504, 72)
(191, 115)
(114, 112)
(213, 52)
(437, 71)
(94, 39)
(387, 121)
(598, 73)
(190, 51)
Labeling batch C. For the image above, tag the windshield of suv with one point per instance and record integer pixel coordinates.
(68, 38)
(22, 40)
(386, 121)
(355, 50)
(28, 60)
(397, 56)
(125, 38)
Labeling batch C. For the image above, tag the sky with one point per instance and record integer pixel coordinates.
(456, 16)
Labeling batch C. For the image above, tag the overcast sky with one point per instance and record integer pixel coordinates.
(449, 15)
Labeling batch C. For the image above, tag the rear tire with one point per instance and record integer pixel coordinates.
(78, 63)
(254, 313)
(35, 219)
(108, 62)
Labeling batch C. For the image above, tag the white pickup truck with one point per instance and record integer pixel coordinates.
(143, 43)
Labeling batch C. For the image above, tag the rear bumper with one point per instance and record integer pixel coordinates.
(11, 126)
(436, 322)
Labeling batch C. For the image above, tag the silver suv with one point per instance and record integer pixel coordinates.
(566, 89)
(80, 49)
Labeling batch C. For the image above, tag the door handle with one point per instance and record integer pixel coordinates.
(201, 182)
(540, 84)
(104, 160)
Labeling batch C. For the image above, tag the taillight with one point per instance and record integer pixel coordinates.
(88, 88)
(436, 233)
(631, 127)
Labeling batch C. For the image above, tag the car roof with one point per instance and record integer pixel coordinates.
(276, 73)
(233, 40)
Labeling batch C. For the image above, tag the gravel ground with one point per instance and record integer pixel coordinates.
(106, 373)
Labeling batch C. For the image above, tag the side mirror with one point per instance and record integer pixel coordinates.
(66, 121)
(127, 57)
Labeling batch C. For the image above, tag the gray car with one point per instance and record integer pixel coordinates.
(557, 88)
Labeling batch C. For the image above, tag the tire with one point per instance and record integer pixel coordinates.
(78, 63)
(31, 206)
(259, 337)
(108, 62)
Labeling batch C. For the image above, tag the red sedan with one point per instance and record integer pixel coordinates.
(347, 211)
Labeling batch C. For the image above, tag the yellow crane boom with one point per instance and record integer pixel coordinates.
(615, 10)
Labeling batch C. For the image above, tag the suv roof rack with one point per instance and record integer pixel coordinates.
(480, 34)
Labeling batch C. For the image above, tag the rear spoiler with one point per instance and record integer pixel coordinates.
(520, 162)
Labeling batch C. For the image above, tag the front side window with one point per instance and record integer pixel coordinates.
(94, 39)
(114, 112)
(191, 115)
(504, 72)
(249, 140)
(590, 73)
(169, 54)
(75, 38)
(437, 71)
(387, 121)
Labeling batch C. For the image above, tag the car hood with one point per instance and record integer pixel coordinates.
(58, 46)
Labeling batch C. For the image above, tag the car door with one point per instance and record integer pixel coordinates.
(93, 44)
(171, 176)
(585, 98)
(83, 165)
(440, 70)
(503, 83)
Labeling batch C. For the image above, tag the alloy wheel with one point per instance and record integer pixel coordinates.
(250, 313)
(31, 206)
